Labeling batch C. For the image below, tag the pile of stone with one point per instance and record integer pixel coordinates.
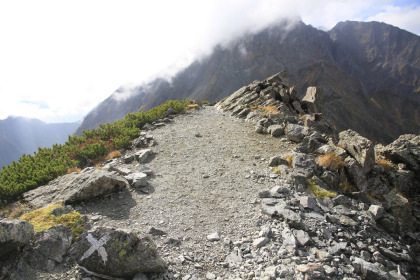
(368, 227)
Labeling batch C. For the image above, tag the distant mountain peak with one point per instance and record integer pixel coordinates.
(358, 64)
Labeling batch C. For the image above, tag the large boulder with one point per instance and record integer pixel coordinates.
(312, 101)
(359, 147)
(406, 149)
(296, 133)
(76, 187)
(49, 247)
(399, 206)
(14, 235)
(116, 253)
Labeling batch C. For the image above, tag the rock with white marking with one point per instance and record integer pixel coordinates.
(116, 253)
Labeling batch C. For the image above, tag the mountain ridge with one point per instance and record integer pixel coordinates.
(312, 58)
(20, 135)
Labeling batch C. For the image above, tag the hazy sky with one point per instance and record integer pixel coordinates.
(59, 59)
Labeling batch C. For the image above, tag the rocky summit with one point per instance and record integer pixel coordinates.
(259, 186)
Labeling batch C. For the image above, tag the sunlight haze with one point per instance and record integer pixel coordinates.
(59, 59)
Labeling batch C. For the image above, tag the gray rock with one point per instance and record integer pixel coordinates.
(142, 155)
(76, 187)
(399, 207)
(234, 259)
(302, 237)
(308, 202)
(120, 170)
(276, 160)
(343, 220)
(271, 272)
(137, 180)
(337, 247)
(156, 232)
(146, 170)
(276, 130)
(49, 247)
(377, 211)
(14, 235)
(213, 237)
(289, 241)
(265, 232)
(406, 149)
(359, 147)
(59, 211)
(116, 253)
(294, 220)
(259, 129)
(128, 158)
(312, 101)
(296, 133)
(279, 192)
(342, 200)
(356, 173)
(304, 164)
(329, 271)
(260, 242)
(369, 270)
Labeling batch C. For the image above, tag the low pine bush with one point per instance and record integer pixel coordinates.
(47, 164)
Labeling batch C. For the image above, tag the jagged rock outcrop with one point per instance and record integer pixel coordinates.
(353, 212)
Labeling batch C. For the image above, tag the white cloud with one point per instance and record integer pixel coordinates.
(407, 17)
(71, 55)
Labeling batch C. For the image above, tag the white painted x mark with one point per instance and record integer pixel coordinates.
(97, 245)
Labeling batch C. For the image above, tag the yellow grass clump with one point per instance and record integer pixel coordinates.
(42, 219)
(318, 191)
(331, 161)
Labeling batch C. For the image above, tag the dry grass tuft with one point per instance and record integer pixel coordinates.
(73, 169)
(113, 154)
(289, 160)
(18, 211)
(386, 164)
(331, 161)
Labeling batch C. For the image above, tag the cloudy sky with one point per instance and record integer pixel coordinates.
(59, 59)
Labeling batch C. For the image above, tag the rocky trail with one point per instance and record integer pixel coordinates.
(259, 186)
(208, 169)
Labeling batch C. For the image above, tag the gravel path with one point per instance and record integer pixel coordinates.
(208, 169)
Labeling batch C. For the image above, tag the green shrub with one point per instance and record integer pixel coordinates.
(35, 170)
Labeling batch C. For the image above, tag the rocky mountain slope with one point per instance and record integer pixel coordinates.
(258, 187)
(369, 71)
(23, 136)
